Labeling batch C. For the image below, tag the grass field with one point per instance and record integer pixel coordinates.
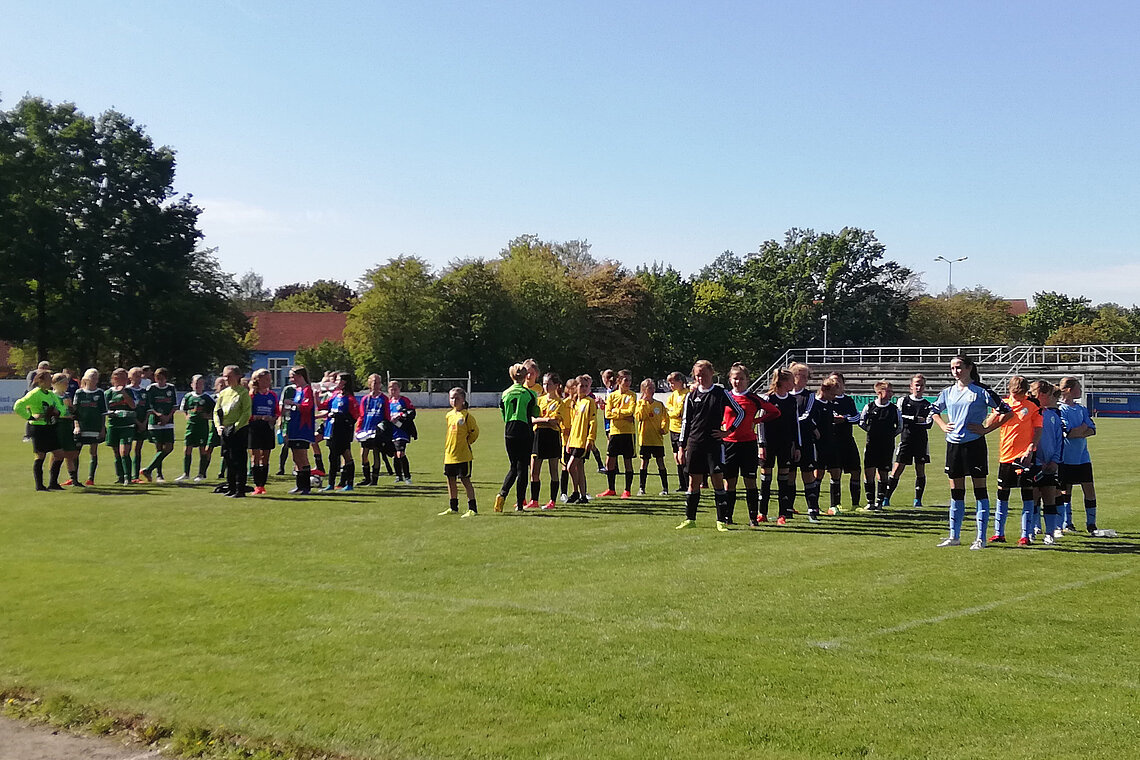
(367, 625)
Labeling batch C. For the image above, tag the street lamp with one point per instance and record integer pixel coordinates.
(825, 338)
(950, 276)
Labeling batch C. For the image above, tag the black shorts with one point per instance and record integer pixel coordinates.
(1011, 476)
(1037, 477)
(45, 438)
(971, 459)
(704, 457)
(298, 445)
(399, 444)
(547, 444)
(808, 460)
(913, 452)
(675, 441)
(1072, 474)
(651, 452)
(576, 453)
(261, 437)
(459, 470)
(741, 457)
(621, 445)
(844, 456)
(777, 456)
(878, 456)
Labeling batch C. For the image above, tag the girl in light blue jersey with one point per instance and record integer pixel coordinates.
(966, 405)
(1076, 464)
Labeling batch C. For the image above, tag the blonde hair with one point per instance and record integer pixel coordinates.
(255, 377)
(518, 372)
(779, 376)
(571, 387)
(738, 367)
(461, 391)
(796, 366)
(703, 364)
(1018, 385)
(1069, 383)
(652, 385)
(881, 384)
(59, 379)
(675, 377)
(91, 373)
(1039, 388)
(829, 384)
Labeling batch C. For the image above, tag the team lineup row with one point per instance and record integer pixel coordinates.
(719, 436)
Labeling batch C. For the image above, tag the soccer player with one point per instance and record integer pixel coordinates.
(262, 421)
(1017, 446)
(702, 430)
(42, 408)
(403, 415)
(299, 409)
(846, 452)
(138, 392)
(324, 390)
(547, 446)
(805, 397)
(121, 424)
(373, 430)
(966, 403)
(583, 433)
(652, 422)
(675, 407)
(65, 428)
(462, 431)
(1047, 459)
(343, 411)
(198, 406)
(781, 448)
(821, 416)
(620, 409)
(1076, 464)
(214, 438)
(741, 446)
(232, 423)
(161, 401)
(883, 422)
(569, 398)
(914, 444)
(90, 413)
(519, 407)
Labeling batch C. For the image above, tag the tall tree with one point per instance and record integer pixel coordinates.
(967, 317)
(1052, 311)
(475, 320)
(394, 326)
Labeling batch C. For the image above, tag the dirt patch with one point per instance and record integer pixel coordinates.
(22, 741)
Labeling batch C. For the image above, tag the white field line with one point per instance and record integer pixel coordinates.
(953, 615)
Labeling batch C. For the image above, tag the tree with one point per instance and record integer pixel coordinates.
(1074, 335)
(252, 295)
(1116, 324)
(474, 310)
(322, 295)
(1052, 311)
(968, 317)
(667, 315)
(328, 355)
(394, 325)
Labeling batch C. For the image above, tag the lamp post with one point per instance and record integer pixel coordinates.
(950, 276)
(825, 338)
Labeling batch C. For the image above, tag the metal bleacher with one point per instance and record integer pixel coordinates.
(1102, 368)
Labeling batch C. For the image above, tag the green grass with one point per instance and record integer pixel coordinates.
(366, 625)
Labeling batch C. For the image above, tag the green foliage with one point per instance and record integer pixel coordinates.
(251, 293)
(1074, 335)
(90, 225)
(322, 295)
(966, 317)
(328, 355)
(1052, 311)
(394, 325)
(472, 320)
(303, 301)
(1115, 324)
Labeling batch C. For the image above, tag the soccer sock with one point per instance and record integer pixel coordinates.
(334, 469)
(91, 469)
(729, 508)
(154, 460)
(366, 478)
(564, 481)
(892, 484)
(55, 465)
(203, 465)
(349, 473)
(281, 458)
(535, 485)
(553, 489)
(1090, 513)
(785, 491)
(791, 498)
(919, 487)
(835, 488)
(186, 461)
(611, 477)
(472, 506)
(664, 478)
(127, 466)
(1065, 509)
(765, 493)
(869, 486)
(884, 476)
(681, 481)
(598, 458)
(982, 515)
(118, 466)
(1026, 518)
(811, 496)
(854, 486)
(642, 475)
(300, 480)
(692, 500)
(38, 473)
(453, 504)
(1050, 510)
(752, 501)
(629, 480)
(73, 473)
(520, 486)
(1001, 515)
(306, 479)
(957, 511)
(720, 498)
(222, 469)
(320, 460)
(137, 462)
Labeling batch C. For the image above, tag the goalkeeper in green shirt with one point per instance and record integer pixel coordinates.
(42, 408)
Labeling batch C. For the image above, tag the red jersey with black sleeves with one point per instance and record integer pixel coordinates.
(756, 410)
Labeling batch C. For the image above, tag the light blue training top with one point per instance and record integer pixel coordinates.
(1052, 437)
(1076, 449)
(966, 406)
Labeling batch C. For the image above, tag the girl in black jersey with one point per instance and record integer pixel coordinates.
(822, 418)
(781, 446)
(845, 451)
(914, 445)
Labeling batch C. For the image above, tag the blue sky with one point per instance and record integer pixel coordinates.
(323, 138)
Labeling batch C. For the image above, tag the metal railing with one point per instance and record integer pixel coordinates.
(1021, 356)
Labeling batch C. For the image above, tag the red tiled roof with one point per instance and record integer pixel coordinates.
(289, 330)
(1017, 306)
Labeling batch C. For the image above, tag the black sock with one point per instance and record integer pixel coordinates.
(785, 491)
(564, 481)
(642, 475)
(919, 487)
(628, 479)
(55, 466)
(765, 493)
(553, 490)
(729, 505)
(720, 499)
(692, 500)
(664, 478)
(471, 505)
(752, 499)
(681, 481)
(453, 504)
(305, 479)
(535, 486)
(854, 492)
(892, 484)
(811, 496)
(366, 477)
(869, 485)
(834, 487)
(349, 473)
(281, 458)
(38, 473)
(611, 476)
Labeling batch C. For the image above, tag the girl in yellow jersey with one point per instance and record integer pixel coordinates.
(583, 433)
(652, 422)
(675, 408)
(547, 439)
(569, 396)
(462, 431)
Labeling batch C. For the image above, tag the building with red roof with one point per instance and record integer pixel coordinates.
(279, 334)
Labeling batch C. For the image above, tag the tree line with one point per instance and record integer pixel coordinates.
(102, 264)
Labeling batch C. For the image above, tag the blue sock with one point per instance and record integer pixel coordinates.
(1001, 516)
(982, 517)
(1065, 513)
(957, 515)
(1026, 519)
(1090, 516)
(1050, 524)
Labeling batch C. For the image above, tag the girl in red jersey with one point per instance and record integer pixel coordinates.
(741, 447)
(342, 413)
